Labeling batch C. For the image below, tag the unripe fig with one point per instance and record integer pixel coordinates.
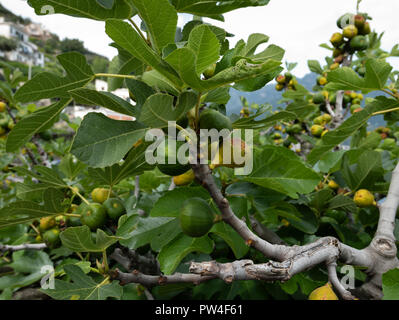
(365, 30)
(196, 217)
(359, 21)
(210, 71)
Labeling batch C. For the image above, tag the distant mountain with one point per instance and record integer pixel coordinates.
(269, 94)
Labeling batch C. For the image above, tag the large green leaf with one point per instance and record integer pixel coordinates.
(205, 45)
(104, 99)
(38, 121)
(184, 61)
(127, 38)
(101, 141)
(43, 174)
(137, 231)
(377, 73)
(86, 9)
(280, 169)
(349, 127)
(173, 253)
(23, 212)
(160, 18)
(214, 8)
(159, 109)
(315, 66)
(27, 266)
(365, 172)
(79, 239)
(83, 287)
(46, 85)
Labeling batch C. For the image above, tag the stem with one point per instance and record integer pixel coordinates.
(34, 228)
(112, 75)
(385, 111)
(105, 261)
(72, 215)
(197, 106)
(138, 30)
(390, 93)
(80, 196)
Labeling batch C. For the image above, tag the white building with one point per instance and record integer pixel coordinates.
(26, 52)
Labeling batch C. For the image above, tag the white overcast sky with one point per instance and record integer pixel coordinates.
(297, 26)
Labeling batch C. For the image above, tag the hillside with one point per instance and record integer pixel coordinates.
(269, 94)
(55, 45)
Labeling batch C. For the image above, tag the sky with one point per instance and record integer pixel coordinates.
(299, 27)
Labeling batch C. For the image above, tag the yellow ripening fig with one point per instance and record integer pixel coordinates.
(279, 87)
(99, 195)
(316, 130)
(324, 132)
(364, 198)
(350, 31)
(233, 146)
(326, 118)
(3, 106)
(334, 66)
(47, 223)
(322, 81)
(333, 185)
(323, 293)
(337, 39)
(280, 79)
(185, 178)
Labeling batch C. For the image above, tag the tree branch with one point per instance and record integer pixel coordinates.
(27, 246)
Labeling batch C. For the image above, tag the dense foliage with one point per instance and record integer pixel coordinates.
(97, 209)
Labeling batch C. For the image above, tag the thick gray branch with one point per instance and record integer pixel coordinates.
(27, 246)
(388, 209)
